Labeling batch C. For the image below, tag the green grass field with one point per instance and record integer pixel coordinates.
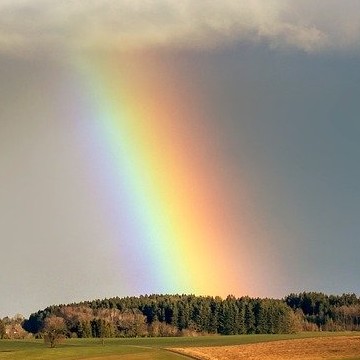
(125, 349)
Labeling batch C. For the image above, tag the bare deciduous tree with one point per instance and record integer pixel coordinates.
(54, 330)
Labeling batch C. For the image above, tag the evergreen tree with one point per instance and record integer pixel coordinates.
(240, 317)
(249, 318)
(2, 329)
(183, 315)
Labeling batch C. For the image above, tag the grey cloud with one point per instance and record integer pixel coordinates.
(71, 25)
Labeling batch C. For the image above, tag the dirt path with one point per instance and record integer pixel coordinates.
(327, 348)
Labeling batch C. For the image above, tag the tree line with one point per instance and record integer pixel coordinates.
(184, 315)
(12, 328)
(327, 312)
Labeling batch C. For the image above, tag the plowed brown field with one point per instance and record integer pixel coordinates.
(343, 347)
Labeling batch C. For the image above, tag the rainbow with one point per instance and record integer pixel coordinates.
(164, 197)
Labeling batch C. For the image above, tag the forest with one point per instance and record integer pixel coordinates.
(190, 315)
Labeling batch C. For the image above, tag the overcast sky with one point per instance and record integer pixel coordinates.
(280, 85)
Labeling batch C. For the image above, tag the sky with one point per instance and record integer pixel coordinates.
(206, 147)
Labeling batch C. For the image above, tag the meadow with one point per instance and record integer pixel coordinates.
(210, 347)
